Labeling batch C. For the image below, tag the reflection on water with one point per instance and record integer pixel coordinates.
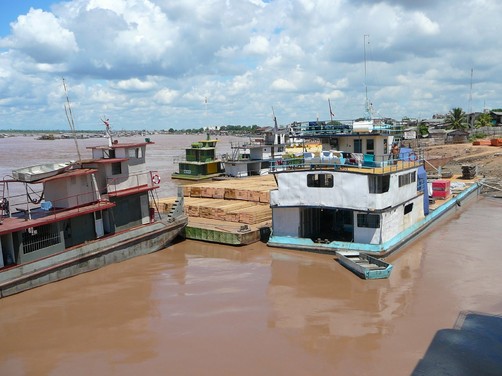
(197, 308)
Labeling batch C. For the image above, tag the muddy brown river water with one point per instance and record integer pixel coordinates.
(206, 309)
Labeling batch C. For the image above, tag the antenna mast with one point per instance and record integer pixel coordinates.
(367, 104)
(69, 117)
(276, 128)
(470, 94)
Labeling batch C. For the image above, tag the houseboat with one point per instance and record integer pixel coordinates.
(256, 156)
(81, 216)
(200, 162)
(364, 199)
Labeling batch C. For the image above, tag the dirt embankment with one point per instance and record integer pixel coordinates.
(487, 158)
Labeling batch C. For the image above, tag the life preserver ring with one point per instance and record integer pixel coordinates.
(412, 156)
(156, 179)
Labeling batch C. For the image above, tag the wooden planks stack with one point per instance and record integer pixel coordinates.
(254, 188)
(244, 200)
(230, 211)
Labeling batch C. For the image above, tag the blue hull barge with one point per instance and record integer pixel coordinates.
(372, 203)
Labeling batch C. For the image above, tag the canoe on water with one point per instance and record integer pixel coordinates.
(364, 265)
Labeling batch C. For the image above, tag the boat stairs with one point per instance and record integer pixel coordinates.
(233, 211)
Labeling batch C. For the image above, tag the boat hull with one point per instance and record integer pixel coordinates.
(91, 255)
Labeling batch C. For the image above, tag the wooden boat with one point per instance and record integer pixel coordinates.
(364, 265)
(38, 172)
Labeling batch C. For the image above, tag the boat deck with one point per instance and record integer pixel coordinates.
(21, 219)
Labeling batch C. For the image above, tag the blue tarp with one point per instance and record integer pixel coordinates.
(422, 184)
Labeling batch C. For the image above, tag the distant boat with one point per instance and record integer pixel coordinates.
(200, 162)
(256, 156)
(364, 265)
(38, 172)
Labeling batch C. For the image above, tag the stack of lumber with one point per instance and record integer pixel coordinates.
(244, 200)
(229, 211)
(225, 210)
(256, 189)
(469, 171)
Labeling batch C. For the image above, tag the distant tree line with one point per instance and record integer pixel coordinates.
(224, 129)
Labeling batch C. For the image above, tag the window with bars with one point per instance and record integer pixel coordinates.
(35, 238)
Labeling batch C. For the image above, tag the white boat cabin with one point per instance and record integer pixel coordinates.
(255, 157)
(369, 204)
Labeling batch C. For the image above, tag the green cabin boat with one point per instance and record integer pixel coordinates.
(200, 162)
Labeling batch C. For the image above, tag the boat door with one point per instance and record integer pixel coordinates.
(145, 209)
(98, 224)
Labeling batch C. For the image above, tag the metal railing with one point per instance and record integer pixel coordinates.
(131, 181)
(362, 162)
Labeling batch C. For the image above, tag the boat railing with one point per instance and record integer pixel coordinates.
(355, 162)
(34, 204)
(150, 179)
(324, 128)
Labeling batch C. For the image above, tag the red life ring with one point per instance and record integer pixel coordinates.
(156, 179)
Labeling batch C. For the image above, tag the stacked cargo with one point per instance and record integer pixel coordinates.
(469, 171)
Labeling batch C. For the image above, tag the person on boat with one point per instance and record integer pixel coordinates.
(394, 152)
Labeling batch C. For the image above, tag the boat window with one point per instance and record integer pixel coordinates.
(368, 220)
(358, 146)
(134, 153)
(370, 146)
(406, 179)
(116, 168)
(320, 180)
(110, 153)
(408, 208)
(378, 183)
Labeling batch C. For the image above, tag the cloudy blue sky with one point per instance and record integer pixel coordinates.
(151, 64)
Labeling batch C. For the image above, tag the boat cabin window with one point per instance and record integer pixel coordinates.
(110, 153)
(378, 183)
(370, 146)
(408, 208)
(134, 153)
(406, 179)
(320, 180)
(368, 220)
(116, 168)
(358, 146)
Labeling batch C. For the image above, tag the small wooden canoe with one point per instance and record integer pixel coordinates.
(364, 265)
(34, 173)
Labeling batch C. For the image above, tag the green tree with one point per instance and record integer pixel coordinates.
(423, 129)
(483, 120)
(456, 119)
